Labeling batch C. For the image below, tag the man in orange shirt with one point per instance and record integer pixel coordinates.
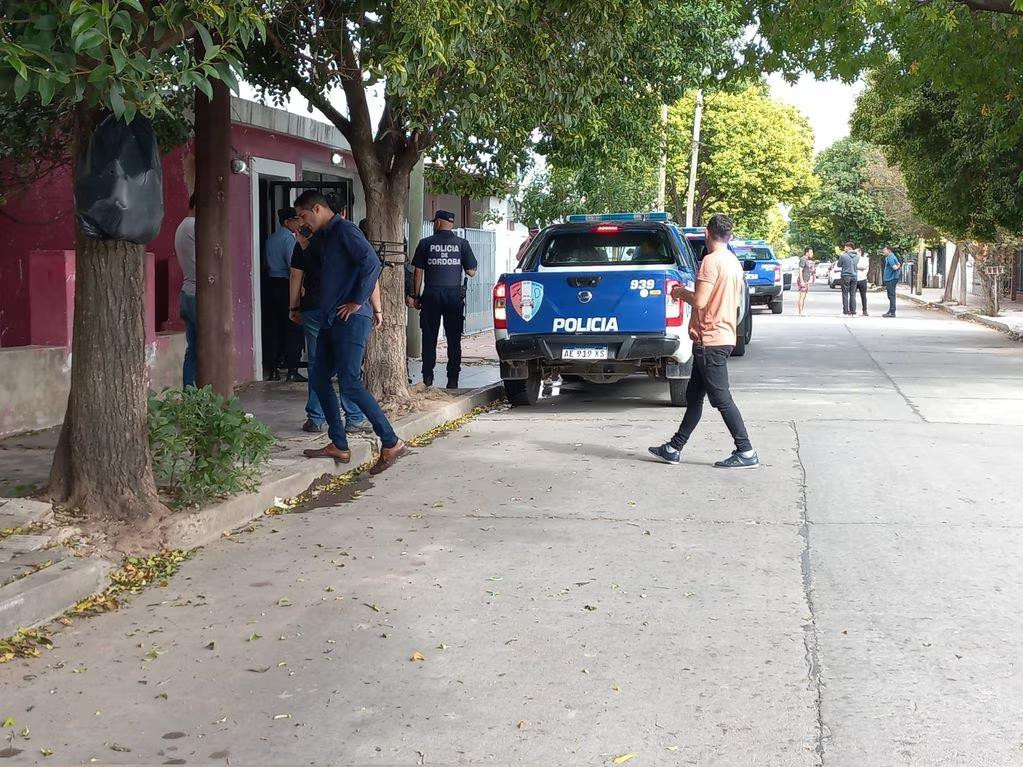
(719, 286)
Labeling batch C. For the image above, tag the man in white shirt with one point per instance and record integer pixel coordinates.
(862, 267)
(184, 248)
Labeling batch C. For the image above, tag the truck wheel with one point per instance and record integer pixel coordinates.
(742, 336)
(777, 307)
(523, 393)
(677, 391)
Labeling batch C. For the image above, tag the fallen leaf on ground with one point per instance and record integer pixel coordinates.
(262, 670)
(616, 688)
(9, 722)
(623, 758)
(417, 656)
(153, 654)
(118, 747)
(46, 751)
(284, 602)
(672, 748)
(591, 608)
(26, 732)
(442, 647)
(374, 607)
(282, 716)
(521, 724)
(254, 637)
(211, 645)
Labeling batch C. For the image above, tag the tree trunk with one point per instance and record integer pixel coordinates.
(950, 279)
(214, 342)
(102, 462)
(386, 365)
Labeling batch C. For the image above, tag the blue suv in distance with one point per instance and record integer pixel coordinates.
(765, 283)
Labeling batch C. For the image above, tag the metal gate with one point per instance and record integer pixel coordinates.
(479, 315)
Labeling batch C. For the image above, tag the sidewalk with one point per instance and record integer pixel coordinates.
(1009, 321)
(46, 567)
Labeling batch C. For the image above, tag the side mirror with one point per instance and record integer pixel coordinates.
(749, 265)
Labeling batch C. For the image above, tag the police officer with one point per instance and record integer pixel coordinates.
(441, 259)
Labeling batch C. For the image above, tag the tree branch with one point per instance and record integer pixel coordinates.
(993, 6)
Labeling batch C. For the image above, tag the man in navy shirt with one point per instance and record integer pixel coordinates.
(440, 260)
(350, 306)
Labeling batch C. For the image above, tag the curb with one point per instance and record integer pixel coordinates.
(965, 315)
(47, 594)
(210, 523)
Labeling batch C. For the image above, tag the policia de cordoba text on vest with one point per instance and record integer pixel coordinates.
(439, 261)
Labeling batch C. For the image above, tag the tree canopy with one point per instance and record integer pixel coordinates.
(755, 153)
(961, 176)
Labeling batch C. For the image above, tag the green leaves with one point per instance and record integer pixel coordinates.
(123, 55)
(203, 446)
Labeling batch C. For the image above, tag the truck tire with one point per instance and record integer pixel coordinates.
(677, 391)
(743, 335)
(777, 307)
(523, 392)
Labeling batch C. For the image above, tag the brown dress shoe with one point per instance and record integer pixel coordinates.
(329, 451)
(388, 457)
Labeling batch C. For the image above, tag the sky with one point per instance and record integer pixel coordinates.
(828, 104)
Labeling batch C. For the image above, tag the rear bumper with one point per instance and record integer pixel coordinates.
(548, 347)
(764, 293)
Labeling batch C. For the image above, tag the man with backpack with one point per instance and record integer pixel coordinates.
(892, 272)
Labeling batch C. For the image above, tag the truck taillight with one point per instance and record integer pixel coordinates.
(777, 272)
(500, 312)
(672, 306)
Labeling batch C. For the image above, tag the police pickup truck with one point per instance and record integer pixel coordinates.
(592, 300)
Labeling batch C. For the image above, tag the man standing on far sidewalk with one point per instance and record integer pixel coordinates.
(892, 272)
(848, 262)
(720, 284)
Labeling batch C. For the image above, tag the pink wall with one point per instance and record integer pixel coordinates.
(42, 219)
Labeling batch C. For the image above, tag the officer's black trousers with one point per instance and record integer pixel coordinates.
(442, 305)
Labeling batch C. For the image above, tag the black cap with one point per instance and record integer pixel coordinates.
(444, 215)
(285, 213)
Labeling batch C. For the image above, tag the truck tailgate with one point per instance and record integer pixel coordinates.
(605, 301)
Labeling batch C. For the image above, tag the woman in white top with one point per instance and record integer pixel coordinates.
(862, 265)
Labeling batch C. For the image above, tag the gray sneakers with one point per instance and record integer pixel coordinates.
(359, 427)
(739, 461)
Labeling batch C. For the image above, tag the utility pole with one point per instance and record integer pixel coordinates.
(416, 193)
(694, 162)
(214, 341)
(662, 169)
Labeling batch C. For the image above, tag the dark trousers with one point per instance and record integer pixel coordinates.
(340, 349)
(188, 314)
(889, 286)
(861, 288)
(442, 305)
(848, 294)
(709, 380)
(284, 339)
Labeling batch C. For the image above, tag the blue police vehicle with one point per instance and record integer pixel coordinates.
(765, 282)
(592, 301)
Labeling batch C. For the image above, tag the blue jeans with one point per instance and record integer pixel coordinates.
(342, 351)
(889, 286)
(187, 313)
(313, 411)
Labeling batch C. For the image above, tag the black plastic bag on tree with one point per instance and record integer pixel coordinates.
(119, 183)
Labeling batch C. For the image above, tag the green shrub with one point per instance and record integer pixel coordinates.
(204, 447)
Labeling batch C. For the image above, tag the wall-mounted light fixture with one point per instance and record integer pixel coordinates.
(239, 166)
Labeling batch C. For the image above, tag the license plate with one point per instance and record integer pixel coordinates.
(584, 353)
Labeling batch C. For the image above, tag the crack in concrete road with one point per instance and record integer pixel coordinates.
(886, 374)
(810, 635)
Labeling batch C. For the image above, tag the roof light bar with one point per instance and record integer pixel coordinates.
(595, 218)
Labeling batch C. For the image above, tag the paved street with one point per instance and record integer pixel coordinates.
(854, 602)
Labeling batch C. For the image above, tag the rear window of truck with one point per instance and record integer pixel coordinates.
(756, 254)
(622, 248)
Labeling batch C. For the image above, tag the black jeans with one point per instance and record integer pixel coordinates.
(861, 286)
(848, 294)
(284, 339)
(709, 379)
(442, 305)
(890, 285)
